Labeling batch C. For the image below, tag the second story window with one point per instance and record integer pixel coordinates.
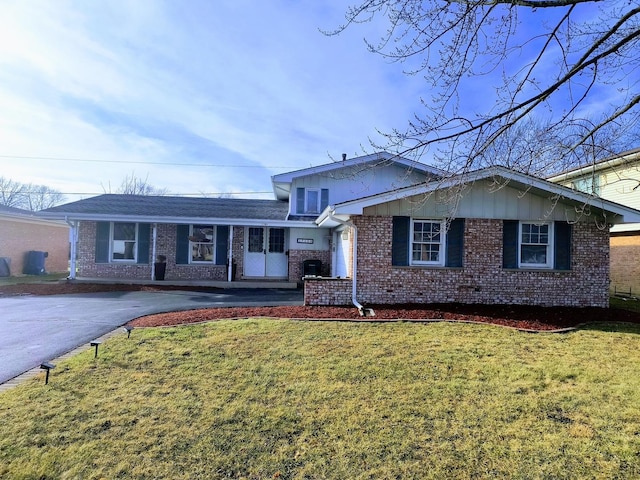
(312, 204)
(311, 201)
(590, 185)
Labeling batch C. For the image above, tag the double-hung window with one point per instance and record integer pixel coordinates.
(427, 242)
(535, 245)
(311, 201)
(202, 240)
(590, 185)
(123, 241)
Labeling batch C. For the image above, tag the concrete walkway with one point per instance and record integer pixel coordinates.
(36, 329)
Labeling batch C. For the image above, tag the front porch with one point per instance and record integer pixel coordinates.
(273, 284)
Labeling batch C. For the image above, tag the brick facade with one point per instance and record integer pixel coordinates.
(166, 245)
(625, 268)
(482, 278)
(297, 257)
(19, 236)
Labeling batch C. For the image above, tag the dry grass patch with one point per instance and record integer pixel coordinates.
(282, 399)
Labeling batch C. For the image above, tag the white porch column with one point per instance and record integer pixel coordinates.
(230, 260)
(73, 237)
(154, 237)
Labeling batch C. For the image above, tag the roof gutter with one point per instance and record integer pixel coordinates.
(364, 312)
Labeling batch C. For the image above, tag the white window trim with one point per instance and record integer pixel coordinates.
(443, 243)
(307, 208)
(550, 246)
(112, 241)
(213, 246)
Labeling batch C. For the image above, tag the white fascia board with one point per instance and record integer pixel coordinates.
(625, 227)
(281, 190)
(627, 214)
(36, 220)
(327, 218)
(288, 177)
(356, 207)
(632, 155)
(185, 220)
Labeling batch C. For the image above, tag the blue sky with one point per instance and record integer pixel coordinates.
(226, 93)
(198, 96)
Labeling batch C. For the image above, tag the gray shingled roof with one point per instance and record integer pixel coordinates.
(176, 207)
(15, 211)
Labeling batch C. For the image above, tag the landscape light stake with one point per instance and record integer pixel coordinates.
(95, 343)
(128, 329)
(47, 366)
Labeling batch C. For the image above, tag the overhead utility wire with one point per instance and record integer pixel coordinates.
(92, 160)
(169, 194)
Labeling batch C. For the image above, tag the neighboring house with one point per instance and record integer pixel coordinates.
(378, 229)
(26, 241)
(616, 179)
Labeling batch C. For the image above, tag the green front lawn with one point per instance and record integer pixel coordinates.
(27, 279)
(284, 399)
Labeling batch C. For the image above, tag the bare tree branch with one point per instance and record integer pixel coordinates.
(551, 77)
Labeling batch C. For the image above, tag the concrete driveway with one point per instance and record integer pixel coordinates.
(35, 329)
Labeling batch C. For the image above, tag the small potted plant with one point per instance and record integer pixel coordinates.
(160, 267)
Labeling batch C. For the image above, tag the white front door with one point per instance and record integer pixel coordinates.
(266, 252)
(343, 254)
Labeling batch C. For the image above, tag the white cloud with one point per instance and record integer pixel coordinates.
(233, 82)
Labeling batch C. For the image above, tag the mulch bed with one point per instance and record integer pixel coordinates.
(516, 316)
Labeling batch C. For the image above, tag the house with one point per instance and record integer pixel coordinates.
(31, 244)
(377, 229)
(219, 239)
(616, 179)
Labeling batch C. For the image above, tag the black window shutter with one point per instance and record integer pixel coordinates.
(510, 244)
(324, 198)
(455, 243)
(144, 230)
(400, 241)
(182, 244)
(222, 244)
(299, 200)
(562, 246)
(103, 234)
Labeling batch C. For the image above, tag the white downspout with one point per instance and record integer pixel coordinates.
(153, 251)
(74, 248)
(365, 312)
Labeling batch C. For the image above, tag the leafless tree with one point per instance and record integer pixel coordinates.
(28, 196)
(133, 185)
(39, 197)
(11, 193)
(569, 66)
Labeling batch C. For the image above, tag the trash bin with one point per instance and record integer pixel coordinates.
(5, 267)
(160, 267)
(34, 263)
(311, 268)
